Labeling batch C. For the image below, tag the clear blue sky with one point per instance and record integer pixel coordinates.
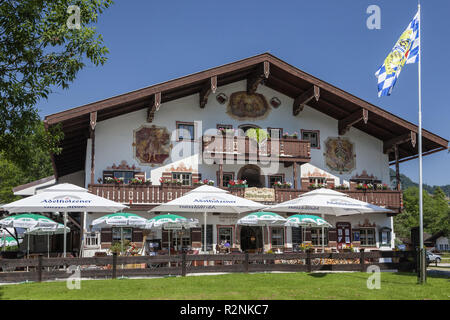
(155, 41)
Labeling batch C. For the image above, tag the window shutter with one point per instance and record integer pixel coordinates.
(196, 237)
(108, 174)
(165, 239)
(137, 236)
(307, 235)
(332, 235)
(106, 235)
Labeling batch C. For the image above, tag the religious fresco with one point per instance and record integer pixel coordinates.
(151, 144)
(339, 155)
(243, 106)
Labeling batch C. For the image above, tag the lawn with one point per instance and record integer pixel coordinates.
(240, 286)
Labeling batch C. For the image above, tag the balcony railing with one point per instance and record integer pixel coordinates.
(244, 148)
(152, 195)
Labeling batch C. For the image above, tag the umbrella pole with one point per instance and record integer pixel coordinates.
(4, 241)
(323, 236)
(28, 248)
(65, 234)
(204, 230)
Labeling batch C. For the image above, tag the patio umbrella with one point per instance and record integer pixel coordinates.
(8, 241)
(327, 202)
(171, 222)
(263, 219)
(47, 231)
(307, 220)
(121, 220)
(206, 199)
(64, 197)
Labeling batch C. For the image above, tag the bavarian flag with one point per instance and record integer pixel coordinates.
(406, 50)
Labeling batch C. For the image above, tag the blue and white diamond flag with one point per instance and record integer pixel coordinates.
(406, 50)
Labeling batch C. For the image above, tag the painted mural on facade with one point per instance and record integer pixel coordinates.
(243, 106)
(340, 155)
(151, 144)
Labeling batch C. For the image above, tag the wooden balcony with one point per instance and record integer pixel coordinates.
(244, 148)
(143, 196)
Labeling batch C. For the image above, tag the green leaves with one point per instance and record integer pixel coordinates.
(39, 52)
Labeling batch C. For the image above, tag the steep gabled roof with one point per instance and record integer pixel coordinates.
(283, 77)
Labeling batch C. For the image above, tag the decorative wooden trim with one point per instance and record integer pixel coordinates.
(304, 98)
(314, 131)
(123, 166)
(155, 107)
(177, 123)
(210, 86)
(388, 145)
(345, 124)
(262, 72)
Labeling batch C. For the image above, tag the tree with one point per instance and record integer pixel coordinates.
(33, 164)
(38, 52)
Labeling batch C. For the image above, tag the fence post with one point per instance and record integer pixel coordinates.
(114, 265)
(39, 268)
(183, 264)
(246, 262)
(362, 259)
(308, 260)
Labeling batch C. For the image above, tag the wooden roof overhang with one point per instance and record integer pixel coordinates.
(261, 69)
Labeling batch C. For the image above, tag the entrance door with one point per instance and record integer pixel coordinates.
(252, 174)
(251, 238)
(344, 231)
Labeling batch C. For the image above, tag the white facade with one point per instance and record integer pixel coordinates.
(114, 144)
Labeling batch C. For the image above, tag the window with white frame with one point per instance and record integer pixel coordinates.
(316, 236)
(185, 178)
(367, 236)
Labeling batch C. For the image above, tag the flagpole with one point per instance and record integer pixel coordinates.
(422, 252)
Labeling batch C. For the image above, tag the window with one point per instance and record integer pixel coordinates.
(180, 238)
(312, 136)
(225, 235)
(186, 178)
(246, 127)
(185, 131)
(314, 180)
(275, 178)
(222, 127)
(227, 177)
(316, 236)
(385, 237)
(117, 234)
(277, 236)
(367, 236)
(126, 175)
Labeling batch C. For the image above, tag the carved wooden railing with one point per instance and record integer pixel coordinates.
(143, 194)
(237, 147)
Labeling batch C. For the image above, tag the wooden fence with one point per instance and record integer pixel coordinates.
(41, 269)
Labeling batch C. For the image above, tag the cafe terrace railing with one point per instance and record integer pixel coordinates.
(42, 269)
(143, 194)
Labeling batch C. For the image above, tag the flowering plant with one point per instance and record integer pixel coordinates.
(178, 182)
(227, 131)
(348, 247)
(118, 180)
(287, 135)
(342, 187)
(286, 185)
(203, 182)
(237, 183)
(305, 246)
(137, 181)
(316, 185)
(108, 180)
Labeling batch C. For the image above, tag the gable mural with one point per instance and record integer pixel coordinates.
(340, 155)
(151, 144)
(243, 106)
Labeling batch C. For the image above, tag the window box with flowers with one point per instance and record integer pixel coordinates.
(203, 182)
(165, 182)
(237, 184)
(111, 180)
(313, 186)
(293, 136)
(342, 187)
(348, 248)
(306, 247)
(282, 185)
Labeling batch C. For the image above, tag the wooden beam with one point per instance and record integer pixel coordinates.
(345, 124)
(388, 145)
(92, 124)
(295, 176)
(154, 107)
(210, 86)
(304, 98)
(254, 80)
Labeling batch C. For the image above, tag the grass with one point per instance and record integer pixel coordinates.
(260, 286)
